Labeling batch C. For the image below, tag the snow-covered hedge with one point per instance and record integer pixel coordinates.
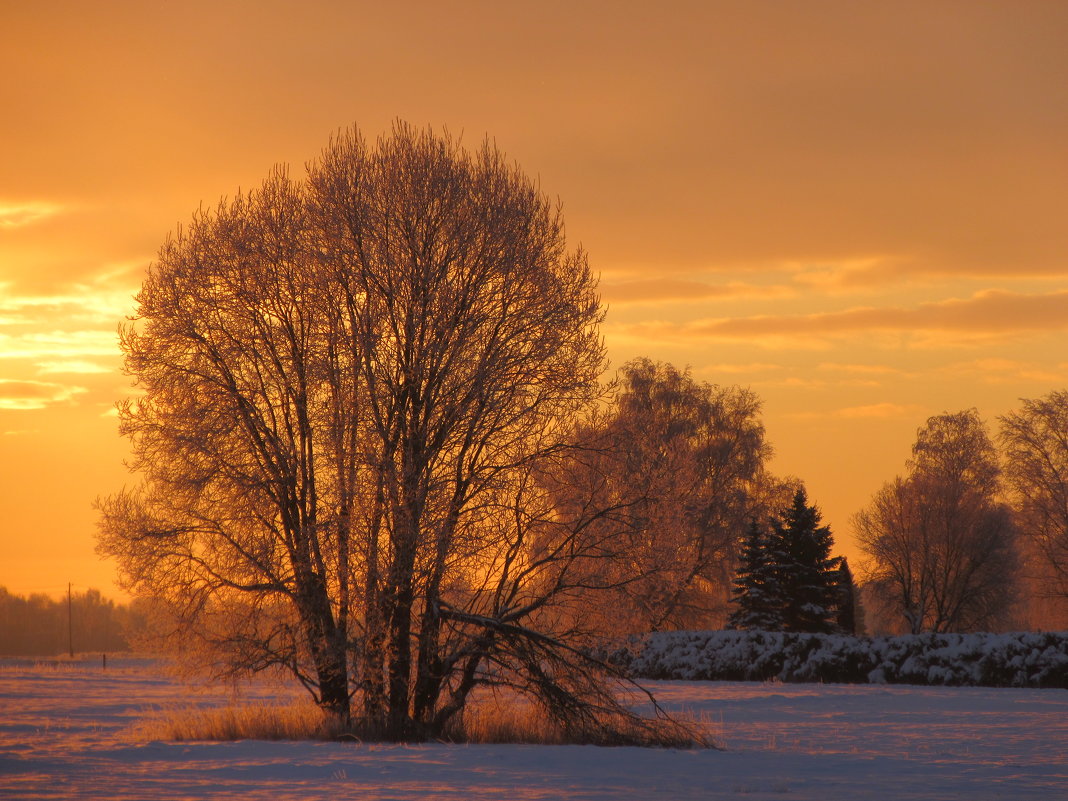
(1023, 659)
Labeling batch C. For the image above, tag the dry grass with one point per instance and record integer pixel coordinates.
(491, 719)
(507, 718)
(43, 664)
(297, 721)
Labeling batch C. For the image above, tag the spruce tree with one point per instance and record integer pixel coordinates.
(808, 572)
(787, 579)
(846, 615)
(757, 592)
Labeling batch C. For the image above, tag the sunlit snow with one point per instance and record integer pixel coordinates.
(66, 733)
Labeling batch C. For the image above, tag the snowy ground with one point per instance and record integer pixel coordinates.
(65, 733)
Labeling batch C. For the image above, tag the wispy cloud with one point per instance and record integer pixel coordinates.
(676, 290)
(800, 382)
(71, 367)
(58, 346)
(874, 374)
(873, 411)
(850, 275)
(834, 275)
(751, 367)
(69, 332)
(1007, 371)
(992, 314)
(30, 395)
(864, 369)
(662, 332)
(82, 304)
(17, 215)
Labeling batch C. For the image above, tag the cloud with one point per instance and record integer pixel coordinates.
(1007, 371)
(29, 395)
(81, 304)
(862, 369)
(662, 332)
(66, 333)
(840, 275)
(991, 314)
(752, 367)
(674, 290)
(872, 375)
(17, 215)
(875, 410)
(933, 266)
(59, 346)
(75, 366)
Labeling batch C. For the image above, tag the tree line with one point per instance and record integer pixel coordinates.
(973, 537)
(375, 449)
(38, 625)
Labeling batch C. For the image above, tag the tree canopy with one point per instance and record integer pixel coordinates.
(1035, 442)
(687, 461)
(941, 546)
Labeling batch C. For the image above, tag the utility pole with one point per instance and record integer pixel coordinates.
(70, 624)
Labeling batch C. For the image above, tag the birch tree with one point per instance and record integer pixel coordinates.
(941, 547)
(1035, 445)
(686, 461)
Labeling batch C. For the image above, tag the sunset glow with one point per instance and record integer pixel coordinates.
(857, 210)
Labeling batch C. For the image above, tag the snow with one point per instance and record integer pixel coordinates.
(66, 733)
(1018, 659)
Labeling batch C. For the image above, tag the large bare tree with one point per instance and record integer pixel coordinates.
(941, 548)
(355, 391)
(1035, 446)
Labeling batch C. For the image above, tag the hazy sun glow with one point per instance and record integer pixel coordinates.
(855, 209)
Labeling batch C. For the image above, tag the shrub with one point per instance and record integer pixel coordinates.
(1023, 659)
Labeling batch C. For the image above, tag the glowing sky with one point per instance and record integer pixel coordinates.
(857, 209)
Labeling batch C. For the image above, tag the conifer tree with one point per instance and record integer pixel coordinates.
(787, 579)
(846, 614)
(757, 591)
(808, 572)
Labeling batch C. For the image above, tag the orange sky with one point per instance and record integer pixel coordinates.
(856, 209)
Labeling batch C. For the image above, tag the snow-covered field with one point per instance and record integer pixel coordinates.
(66, 733)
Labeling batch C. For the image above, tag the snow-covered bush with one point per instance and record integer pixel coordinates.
(1021, 659)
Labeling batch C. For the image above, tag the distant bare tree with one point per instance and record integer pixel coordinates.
(687, 462)
(941, 548)
(355, 391)
(1035, 446)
